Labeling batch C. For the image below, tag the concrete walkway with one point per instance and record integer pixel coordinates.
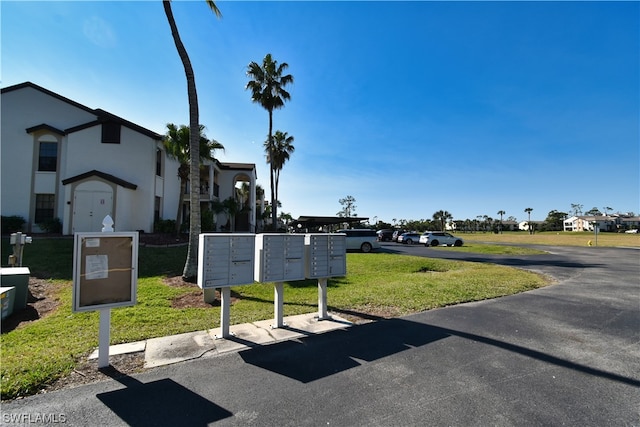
(193, 345)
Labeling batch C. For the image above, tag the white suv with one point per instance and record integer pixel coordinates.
(435, 238)
(361, 239)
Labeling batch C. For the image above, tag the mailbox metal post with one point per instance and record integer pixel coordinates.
(322, 299)
(278, 291)
(225, 311)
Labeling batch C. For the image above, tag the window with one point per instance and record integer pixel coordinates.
(111, 133)
(156, 209)
(159, 162)
(45, 204)
(48, 157)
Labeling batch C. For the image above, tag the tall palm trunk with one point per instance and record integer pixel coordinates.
(183, 174)
(183, 189)
(191, 266)
(274, 202)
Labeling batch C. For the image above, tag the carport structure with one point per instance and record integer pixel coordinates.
(309, 224)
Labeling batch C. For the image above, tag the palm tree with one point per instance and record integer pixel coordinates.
(528, 210)
(177, 145)
(191, 266)
(230, 207)
(278, 152)
(267, 89)
(501, 212)
(442, 217)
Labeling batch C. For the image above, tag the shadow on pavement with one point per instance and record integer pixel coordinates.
(162, 402)
(316, 357)
(320, 356)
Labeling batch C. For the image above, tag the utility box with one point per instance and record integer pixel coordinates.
(19, 238)
(17, 277)
(225, 259)
(7, 298)
(325, 254)
(279, 257)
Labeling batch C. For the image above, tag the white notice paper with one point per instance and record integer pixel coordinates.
(97, 267)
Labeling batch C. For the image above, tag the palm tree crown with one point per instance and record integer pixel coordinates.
(177, 143)
(267, 87)
(268, 82)
(441, 217)
(278, 152)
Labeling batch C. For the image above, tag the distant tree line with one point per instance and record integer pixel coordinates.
(485, 223)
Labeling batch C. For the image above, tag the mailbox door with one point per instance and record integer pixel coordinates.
(241, 258)
(294, 257)
(337, 255)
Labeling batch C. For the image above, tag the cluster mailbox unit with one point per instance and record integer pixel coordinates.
(224, 260)
(325, 257)
(232, 259)
(279, 258)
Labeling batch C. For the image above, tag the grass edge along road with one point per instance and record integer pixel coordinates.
(37, 353)
(555, 238)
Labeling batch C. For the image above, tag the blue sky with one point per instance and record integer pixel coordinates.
(409, 107)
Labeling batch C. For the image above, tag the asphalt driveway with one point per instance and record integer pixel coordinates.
(567, 354)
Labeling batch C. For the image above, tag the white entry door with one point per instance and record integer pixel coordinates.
(90, 208)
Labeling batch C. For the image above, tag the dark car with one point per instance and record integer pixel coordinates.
(384, 235)
(396, 234)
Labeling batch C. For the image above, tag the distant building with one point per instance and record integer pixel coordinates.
(603, 222)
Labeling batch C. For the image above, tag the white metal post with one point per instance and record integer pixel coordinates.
(278, 304)
(104, 336)
(104, 331)
(322, 299)
(225, 304)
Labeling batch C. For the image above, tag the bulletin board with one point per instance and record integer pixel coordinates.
(105, 270)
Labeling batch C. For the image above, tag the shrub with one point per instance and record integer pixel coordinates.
(206, 221)
(12, 224)
(164, 226)
(53, 225)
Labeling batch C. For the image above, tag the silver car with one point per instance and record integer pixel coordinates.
(435, 238)
(363, 240)
(409, 238)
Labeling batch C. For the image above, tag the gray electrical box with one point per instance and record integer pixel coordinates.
(17, 277)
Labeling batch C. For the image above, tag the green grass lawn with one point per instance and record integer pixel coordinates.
(380, 284)
(555, 238)
(491, 249)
